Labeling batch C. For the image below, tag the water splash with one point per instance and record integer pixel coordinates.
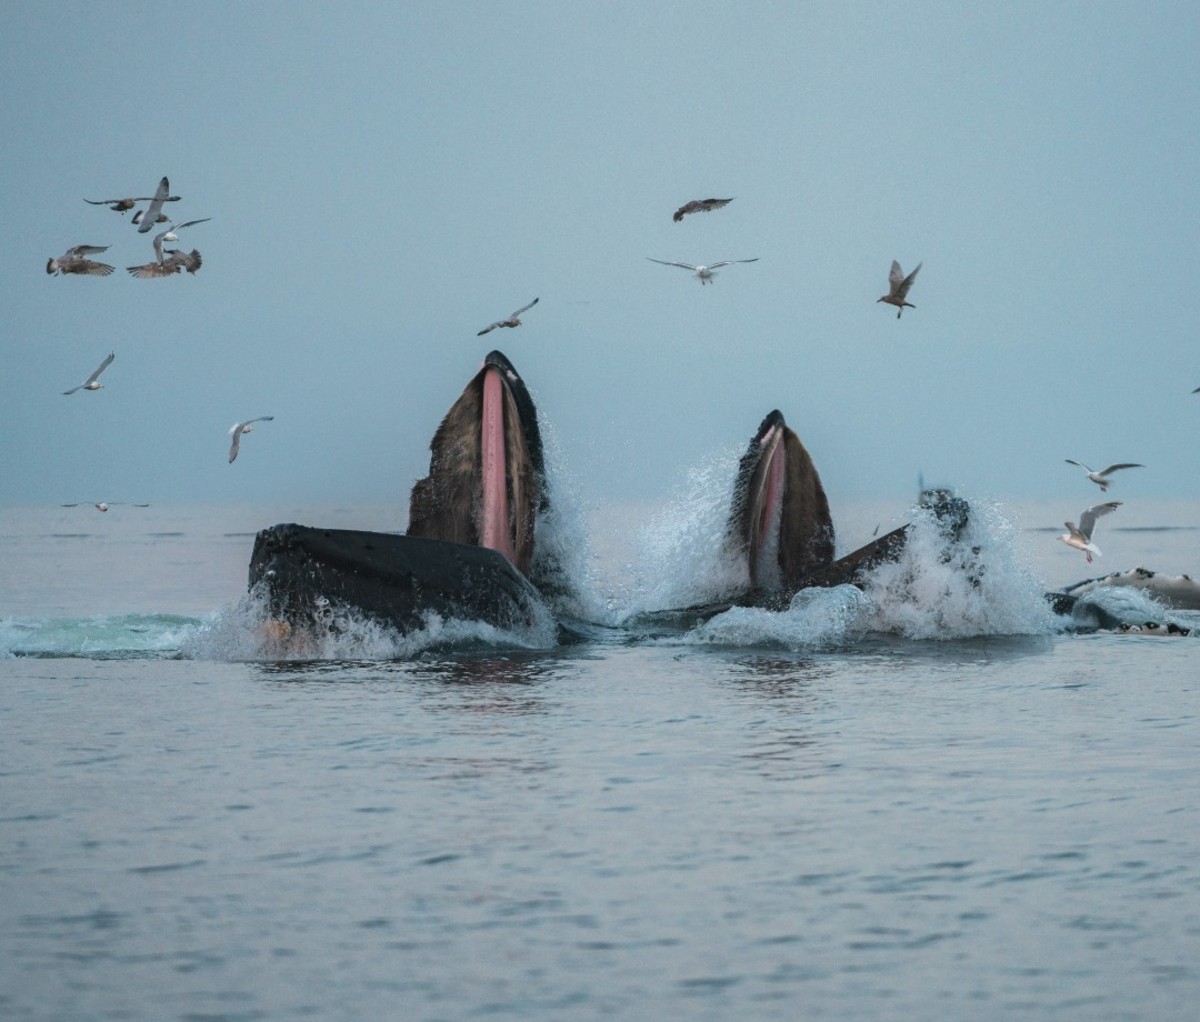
(815, 618)
(683, 557)
(563, 568)
(942, 588)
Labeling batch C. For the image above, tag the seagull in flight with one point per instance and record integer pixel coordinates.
(513, 320)
(173, 261)
(1081, 538)
(102, 505)
(898, 286)
(170, 235)
(74, 261)
(699, 206)
(123, 206)
(704, 274)
(140, 215)
(1101, 478)
(93, 381)
(169, 261)
(238, 428)
(150, 217)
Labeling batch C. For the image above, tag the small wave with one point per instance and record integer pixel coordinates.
(243, 631)
(125, 636)
(815, 618)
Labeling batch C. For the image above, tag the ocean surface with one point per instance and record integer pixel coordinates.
(926, 801)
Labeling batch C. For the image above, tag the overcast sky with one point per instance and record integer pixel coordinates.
(385, 180)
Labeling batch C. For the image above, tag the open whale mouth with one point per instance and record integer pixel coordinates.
(486, 471)
(780, 515)
(765, 497)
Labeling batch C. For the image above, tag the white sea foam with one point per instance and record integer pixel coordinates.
(941, 587)
(944, 588)
(246, 631)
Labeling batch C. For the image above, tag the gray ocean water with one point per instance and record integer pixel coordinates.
(941, 807)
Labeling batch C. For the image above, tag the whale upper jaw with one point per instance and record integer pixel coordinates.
(780, 519)
(486, 479)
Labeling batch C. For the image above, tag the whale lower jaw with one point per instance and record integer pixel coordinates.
(398, 581)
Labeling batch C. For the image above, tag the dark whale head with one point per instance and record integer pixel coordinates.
(780, 515)
(486, 478)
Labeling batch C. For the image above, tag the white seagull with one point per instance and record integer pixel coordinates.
(102, 505)
(154, 210)
(170, 235)
(169, 261)
(704, 274)
(898, 286)
(238, 428)
(73, 261)
(1081, 538)
(1100, 478)
(512, 320)
(162, 218)
(93, 381)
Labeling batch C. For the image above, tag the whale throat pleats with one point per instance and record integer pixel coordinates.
(483, 487)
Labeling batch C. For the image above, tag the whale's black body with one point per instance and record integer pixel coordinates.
(396, 580)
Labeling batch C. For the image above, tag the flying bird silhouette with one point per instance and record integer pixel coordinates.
(1100, 478)
(73, 261)
(154, 210)
(93, 381)
(898, 286)
(123, 206)
(173, 260)
(102, 505)
(704, 274)
(238, 429)
(699, 206)
(1081, 538)
(512, 320)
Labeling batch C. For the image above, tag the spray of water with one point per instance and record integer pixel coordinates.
(683, 556)
(942, 588)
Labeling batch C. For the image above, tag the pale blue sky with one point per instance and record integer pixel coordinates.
(383, 181)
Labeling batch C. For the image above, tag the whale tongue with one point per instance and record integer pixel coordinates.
(494, 517)
(764, 544)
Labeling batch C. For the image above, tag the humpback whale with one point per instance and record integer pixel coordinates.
(470, 538)
(469, 550)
